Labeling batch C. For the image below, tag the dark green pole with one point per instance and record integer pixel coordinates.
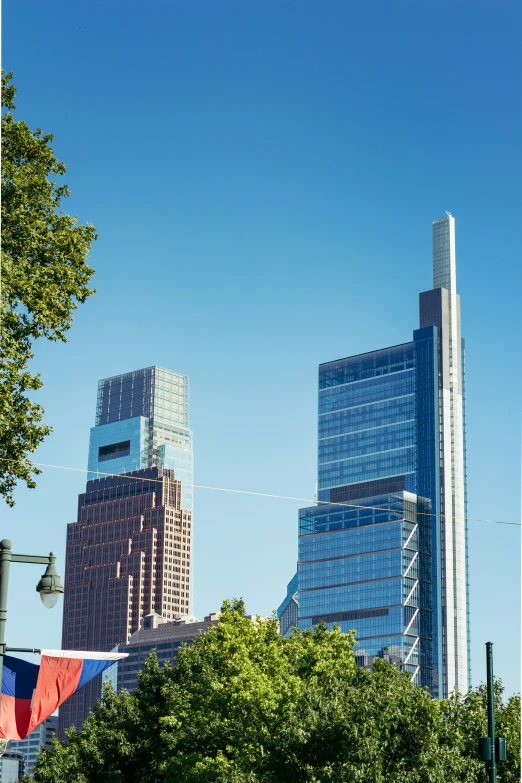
(5, 564)
(50, 587)
(491, 712)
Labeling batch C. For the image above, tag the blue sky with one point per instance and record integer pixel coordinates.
(263, 177)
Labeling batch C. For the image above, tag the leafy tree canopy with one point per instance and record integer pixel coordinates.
(245, 705)
(44, 276)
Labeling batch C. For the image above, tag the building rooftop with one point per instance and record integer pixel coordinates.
(156, 628)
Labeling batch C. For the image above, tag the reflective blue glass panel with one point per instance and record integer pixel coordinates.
(102, 460)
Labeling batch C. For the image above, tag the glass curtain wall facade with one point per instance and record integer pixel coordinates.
(368, 568)
(142, 419)
(391, 436)
(288, 611)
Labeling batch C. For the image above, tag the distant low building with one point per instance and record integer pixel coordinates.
(12, 766)
(163, 636)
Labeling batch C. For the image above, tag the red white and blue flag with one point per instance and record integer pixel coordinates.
(30, 693)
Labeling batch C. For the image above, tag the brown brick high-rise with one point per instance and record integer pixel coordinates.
(128, 554)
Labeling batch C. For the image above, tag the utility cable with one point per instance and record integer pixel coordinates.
(126, 476)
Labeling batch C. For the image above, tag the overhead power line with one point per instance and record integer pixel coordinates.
(261, 494)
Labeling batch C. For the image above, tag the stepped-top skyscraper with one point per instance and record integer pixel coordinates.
(384, 552)
(129, 552)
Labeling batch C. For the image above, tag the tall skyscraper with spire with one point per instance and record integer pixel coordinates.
(384, 551)
(129, 553)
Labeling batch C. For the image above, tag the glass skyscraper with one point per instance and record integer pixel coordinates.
(142, 420)
(384, 551)
(129, 553)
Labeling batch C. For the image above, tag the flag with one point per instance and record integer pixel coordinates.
(30, 693)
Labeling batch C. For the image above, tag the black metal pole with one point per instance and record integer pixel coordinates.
(492, 767)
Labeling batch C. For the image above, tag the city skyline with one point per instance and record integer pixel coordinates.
(386, 419)
(283, 224)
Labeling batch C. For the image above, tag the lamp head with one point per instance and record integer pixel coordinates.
(50, 585)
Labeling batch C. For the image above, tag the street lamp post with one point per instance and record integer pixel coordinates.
(50, 587)
(491, 749)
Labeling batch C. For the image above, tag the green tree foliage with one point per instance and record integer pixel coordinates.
(244, 705)
(44, 276)
(464, 720)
